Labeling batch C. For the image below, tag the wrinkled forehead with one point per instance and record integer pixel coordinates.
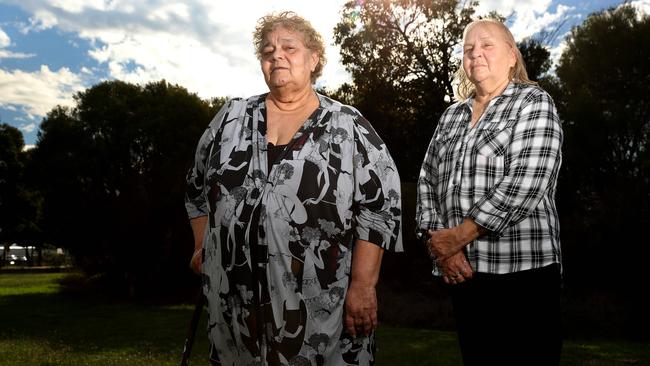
(484, 30)
(283, 34)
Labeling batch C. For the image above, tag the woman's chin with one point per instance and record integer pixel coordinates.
(278, 83)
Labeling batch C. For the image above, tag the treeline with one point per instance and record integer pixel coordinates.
(109, 175)
(106, 178)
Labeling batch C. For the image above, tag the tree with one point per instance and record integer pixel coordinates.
(400, 56)
(19, 204)
(536, 57)
(112, 170)
(602, 96)
(11, 165)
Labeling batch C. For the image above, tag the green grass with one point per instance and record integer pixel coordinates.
(406, 346)
(41, 326)
(424, 347)
(33, 283)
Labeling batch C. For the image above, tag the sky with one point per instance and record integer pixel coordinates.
(52, 49)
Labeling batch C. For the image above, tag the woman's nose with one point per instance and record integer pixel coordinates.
(278, 54)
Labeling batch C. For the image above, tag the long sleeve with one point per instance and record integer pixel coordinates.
(534, 161)
(377, 194)
(427, 213)
(195, 203)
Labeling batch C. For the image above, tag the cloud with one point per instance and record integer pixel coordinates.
(37, 92)
(643, 6)
(29, 128)
(9, 54)
(4, 39)
(557, 51)
(207, 46)
(78, 6)
(527, 17)
(203, 45)
(528, 24)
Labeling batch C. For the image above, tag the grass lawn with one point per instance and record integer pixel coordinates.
(40, 326)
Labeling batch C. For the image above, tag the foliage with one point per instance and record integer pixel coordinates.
(601, 93)
(111, 169)
(602, 96)
(400, 56)
(19, 205)
(536, 57)
(401, 67)
(112, 172)
(11, 145)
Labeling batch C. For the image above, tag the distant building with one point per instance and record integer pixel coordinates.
(18, 255)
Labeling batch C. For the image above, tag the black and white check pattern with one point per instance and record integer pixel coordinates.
(503, 174)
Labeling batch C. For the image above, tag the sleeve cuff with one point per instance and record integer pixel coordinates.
(379, 229)
(490, 217)
(194, 211)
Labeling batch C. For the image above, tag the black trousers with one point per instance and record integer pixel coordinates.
(510, 319)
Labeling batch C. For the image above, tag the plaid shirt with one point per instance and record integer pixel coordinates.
(502, 174)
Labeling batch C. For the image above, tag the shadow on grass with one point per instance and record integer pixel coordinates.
(41, 326)
(90, 324)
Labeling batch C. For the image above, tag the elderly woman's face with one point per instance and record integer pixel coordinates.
(286, 62)
(487, 58)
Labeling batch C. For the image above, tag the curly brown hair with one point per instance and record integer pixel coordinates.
(294, 23)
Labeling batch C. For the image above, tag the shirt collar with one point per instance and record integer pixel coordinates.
(507, 92)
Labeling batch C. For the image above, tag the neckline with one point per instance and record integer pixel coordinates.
(307, 122)
(276, 146)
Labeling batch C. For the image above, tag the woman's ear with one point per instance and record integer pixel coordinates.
(315, 57)
(513, 57)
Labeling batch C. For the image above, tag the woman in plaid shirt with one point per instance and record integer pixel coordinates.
(486, 205)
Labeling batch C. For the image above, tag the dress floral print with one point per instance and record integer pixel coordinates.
(278, 247)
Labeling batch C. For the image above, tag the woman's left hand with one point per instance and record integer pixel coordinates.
(361, 310)
(456, 269)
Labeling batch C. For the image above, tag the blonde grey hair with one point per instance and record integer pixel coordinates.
(518, 73)
(294, 23)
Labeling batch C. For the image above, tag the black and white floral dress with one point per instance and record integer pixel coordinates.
(278, 247)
